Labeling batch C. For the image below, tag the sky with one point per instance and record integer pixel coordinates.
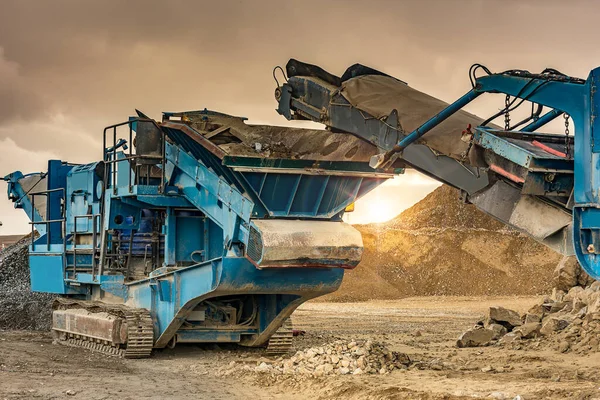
(68, 68)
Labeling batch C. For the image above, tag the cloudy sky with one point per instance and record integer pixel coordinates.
(69, 68)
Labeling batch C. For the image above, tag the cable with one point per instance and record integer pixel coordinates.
(250, 319)
(509, 108)
(533, 115)
(472, 72)
(282, 72)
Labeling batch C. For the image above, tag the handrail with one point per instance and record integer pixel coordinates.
(110, 157)
(94, 240)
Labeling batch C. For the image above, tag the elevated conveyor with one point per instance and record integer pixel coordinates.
(541, 184)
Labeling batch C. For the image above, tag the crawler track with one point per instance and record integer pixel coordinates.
(282, 340)
(140, 333)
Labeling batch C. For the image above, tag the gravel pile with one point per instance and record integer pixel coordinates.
(566, 321)
(20, 308)
(336, 358)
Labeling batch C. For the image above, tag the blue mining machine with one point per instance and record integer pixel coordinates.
(202, 228)
(197, 228)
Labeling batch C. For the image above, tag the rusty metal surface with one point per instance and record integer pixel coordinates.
(233, 136)
(101, 325)
(216, 150)
(113, 329)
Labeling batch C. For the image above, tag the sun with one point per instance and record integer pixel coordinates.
(380, 210)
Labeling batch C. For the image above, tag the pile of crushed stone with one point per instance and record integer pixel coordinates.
(337, 358)
(20, 308)
(568, 321)
(443, 247)
(443, 208)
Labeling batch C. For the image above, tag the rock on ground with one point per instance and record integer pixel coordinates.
(476, 336)
(500, 315)
(566, 320)
(568, 273)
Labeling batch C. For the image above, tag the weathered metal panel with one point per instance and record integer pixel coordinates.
(100, 326)
(296, 243)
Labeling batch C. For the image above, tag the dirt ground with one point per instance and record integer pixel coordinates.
(424, 327)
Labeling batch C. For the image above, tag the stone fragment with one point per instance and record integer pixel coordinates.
(475, 337)
(509, 338)
(574, 293)
(529, 331)
(577, 306)
(591, 316)
(566, 273)
(552, 325)
(537, 309)
(504, 316)
(584, 279)
(344, 371)
(594, 306)
(499, 330)
(558, 295)
(263, 367)
(564, 346)
(531, 318)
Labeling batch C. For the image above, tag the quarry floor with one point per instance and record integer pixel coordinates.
(32, 367)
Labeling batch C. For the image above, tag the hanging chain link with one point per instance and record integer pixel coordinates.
(567, 141)
(506, 114)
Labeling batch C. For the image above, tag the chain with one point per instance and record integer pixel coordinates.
(567, 142)
(506, 114)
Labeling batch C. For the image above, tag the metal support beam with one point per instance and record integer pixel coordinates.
(380, 160)
(543, 120)
(170, 237)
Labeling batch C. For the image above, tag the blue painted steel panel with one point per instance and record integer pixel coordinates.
(47, 274)
(227, 276)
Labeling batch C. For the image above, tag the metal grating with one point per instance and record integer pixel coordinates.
(255, 245)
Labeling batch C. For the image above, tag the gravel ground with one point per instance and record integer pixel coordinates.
(425, 329)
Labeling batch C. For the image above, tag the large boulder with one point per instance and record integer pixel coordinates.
(568, 273)
(475, 337)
